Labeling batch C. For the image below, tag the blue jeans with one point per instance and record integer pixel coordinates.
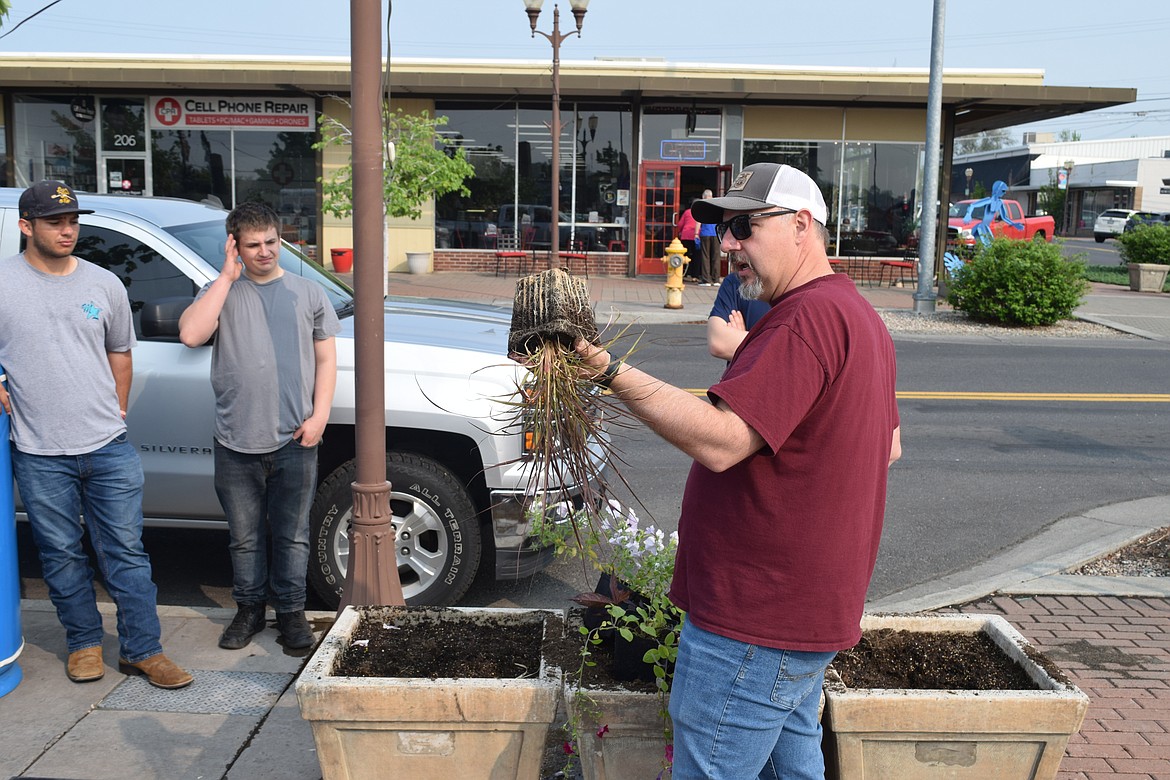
(106, 486)
(268, 496)
(743, 711)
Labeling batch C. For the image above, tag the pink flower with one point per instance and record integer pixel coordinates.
(601, 732)
(568, 748)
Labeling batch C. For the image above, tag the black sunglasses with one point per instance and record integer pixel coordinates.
(741, 226)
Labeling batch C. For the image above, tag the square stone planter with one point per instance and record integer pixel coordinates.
(1147, 277)
(427, 729)
(633, 744)
(954, 734)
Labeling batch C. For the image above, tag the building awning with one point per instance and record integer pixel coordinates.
(980, 99)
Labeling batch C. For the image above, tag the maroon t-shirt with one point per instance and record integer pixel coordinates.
(779, 549)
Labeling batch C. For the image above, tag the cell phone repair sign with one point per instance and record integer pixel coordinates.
(251, 112)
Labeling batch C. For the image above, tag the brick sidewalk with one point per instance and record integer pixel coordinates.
(1117, 650)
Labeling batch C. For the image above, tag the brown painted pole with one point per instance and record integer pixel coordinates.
(556, 39)
(555, 129)
(372, 575)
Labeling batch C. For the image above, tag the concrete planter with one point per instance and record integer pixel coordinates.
(633, 744)
(424, 729)
(1147, 277)
(959, 735)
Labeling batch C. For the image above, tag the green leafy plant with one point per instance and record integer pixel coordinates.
(639, 562)
(1018, 283)
(423, 164)
(1146, 244)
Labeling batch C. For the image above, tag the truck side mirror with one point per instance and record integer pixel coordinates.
(159, 319)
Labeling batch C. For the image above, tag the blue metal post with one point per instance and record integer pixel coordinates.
(11, 639)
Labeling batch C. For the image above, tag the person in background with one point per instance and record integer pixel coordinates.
(688, 234)
(65, 338)
(783, 508)
(273, 370)
(736, 310)
(709, 251)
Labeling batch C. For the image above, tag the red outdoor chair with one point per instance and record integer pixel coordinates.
(508, 248)
(578, 252)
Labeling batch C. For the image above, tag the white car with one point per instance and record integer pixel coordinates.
(1110, 223)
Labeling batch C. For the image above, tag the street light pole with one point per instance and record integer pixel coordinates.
(1068, 166)
(532, 8)
(372, 575)
(924, 296)
(968, 173)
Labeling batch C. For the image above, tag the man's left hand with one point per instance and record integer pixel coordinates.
(310, 433)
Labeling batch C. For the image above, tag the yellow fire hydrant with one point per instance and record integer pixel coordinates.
(675, 263)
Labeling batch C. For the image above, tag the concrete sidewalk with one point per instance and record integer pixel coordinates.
(624, 300)
(240, 720)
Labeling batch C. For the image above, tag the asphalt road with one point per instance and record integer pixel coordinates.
(977, 475)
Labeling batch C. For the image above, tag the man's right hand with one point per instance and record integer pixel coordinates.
(232, 267)
(4, 402)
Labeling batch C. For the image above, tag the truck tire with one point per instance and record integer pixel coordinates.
(437, 535)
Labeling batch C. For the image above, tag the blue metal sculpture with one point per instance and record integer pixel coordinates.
(993, 208)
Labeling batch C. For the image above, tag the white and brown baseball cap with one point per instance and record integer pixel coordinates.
(49, 199)
(765, 184)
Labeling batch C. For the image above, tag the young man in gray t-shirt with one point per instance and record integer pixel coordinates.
(65, 340)
(273, 370)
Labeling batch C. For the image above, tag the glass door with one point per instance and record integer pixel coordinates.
(124, 167)
(658, 193)
(125, 175)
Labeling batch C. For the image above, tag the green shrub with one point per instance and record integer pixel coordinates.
(1146, 244)
(1019, 283)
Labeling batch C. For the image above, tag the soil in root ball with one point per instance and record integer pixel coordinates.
(917, 660)
(432, 647)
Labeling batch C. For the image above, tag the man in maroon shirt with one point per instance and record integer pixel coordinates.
(783, 508)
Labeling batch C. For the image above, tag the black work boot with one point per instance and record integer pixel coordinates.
(295, 629)
(248, 622)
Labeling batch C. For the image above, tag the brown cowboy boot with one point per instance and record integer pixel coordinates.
(160, 671)
(85, 665)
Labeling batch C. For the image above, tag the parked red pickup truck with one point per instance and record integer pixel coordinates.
(1041, 228)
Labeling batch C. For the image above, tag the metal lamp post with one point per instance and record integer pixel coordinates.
(1068, 166)
(532, 8)
(372, 575)
(968, 173)
(588, 136)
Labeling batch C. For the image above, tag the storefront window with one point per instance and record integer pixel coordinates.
(489, 139)
(123, 125)
(227, 167)
(600, 182)
(53, 138)
(510, 148)
(819, 159)
(681, 134)
(871, 189)
(192, 164)
(279, 168)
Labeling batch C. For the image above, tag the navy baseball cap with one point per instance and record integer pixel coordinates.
(49, 199)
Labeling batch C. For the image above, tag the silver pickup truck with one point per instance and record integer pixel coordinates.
(455, 455)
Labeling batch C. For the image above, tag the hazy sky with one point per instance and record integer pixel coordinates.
(1076, 42)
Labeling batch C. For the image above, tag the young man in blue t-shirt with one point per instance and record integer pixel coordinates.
(737, 308)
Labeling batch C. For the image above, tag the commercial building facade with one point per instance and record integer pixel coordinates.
(640, 141)
(1117, 173)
